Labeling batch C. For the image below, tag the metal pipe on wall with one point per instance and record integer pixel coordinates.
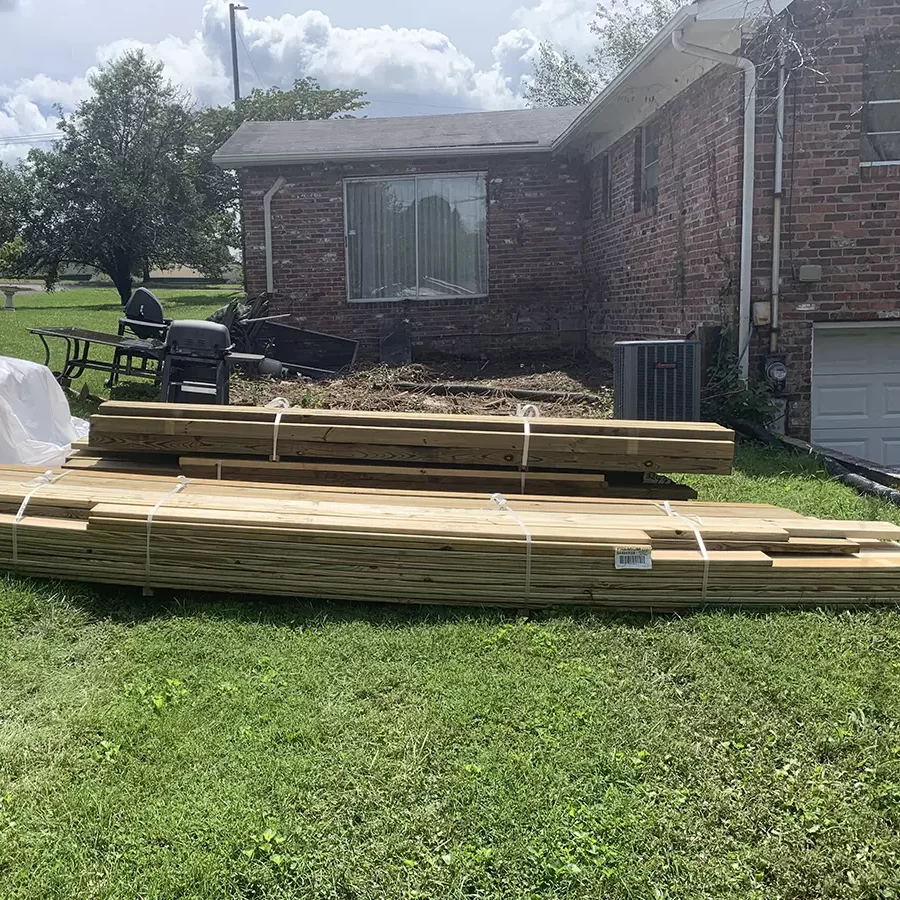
(777, 200)
(749, 177)
(267, 226)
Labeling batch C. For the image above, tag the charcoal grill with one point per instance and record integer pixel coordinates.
(195, 367)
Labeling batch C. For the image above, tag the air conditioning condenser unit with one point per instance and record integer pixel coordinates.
(657, 380)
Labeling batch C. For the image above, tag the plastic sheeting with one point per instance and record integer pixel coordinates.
(36, 427)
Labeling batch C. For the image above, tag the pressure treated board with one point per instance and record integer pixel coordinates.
(566, 446)
(420, 546)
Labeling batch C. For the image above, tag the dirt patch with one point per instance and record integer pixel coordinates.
(376, 388)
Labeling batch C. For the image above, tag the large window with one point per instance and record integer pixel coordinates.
(418, 237)
(881, 113)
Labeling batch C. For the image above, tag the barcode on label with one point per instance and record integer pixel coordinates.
(633, 558)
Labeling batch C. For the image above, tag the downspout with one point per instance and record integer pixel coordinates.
(777, 199)
(267, 225)
(749, 70)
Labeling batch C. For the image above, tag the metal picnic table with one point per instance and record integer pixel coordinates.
(131, 356)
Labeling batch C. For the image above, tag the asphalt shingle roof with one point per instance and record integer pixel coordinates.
(516, 129)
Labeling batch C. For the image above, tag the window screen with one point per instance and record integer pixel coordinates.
(881, 113)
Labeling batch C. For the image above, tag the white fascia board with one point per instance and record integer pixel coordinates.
(713, 23)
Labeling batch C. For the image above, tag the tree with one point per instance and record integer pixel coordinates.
(122, 189)
(622, 28)
(13, 202)
(214, 125)
(560, 80)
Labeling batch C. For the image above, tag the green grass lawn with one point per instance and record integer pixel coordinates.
(190, 746)
(95, 309)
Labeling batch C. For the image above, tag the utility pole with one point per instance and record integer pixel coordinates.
(235, 76)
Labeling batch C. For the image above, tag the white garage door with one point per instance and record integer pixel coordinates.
(856, 391)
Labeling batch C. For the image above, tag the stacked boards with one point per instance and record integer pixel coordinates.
(381, 449)
(420, 546)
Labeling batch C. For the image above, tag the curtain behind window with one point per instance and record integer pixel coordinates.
(452, 237)
(381, 238)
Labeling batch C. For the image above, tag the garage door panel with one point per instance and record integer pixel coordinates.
(892, 399)
(840, 441)
(854, 350)
(856, 392)
(891, 451)
(841, 401)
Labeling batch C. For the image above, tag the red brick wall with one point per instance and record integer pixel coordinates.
(535, 274)
(838, 215)
(658, 273)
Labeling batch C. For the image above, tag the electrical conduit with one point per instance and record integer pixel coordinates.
(777, 200)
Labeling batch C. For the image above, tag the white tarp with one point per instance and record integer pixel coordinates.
(36, 427)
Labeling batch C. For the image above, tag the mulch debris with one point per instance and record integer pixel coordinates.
(375, 387)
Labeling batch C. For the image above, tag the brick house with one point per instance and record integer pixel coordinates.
(628, 218)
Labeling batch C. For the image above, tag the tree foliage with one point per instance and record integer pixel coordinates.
(622, 28)
(560, 80)
(131, 184)
(214, 125)
(122, 189)
(13, 202)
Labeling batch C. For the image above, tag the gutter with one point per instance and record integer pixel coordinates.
(267, 225)
(242, 160)
(685, 16)
(749, 70)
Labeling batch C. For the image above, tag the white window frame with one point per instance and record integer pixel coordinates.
(873, 163)
(416, 177)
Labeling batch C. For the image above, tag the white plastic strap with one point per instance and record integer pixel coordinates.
(182, 484)
(46, 478)
(218, 470)
(278, 415)
(525, 412)
(698, 537)
(500, 502)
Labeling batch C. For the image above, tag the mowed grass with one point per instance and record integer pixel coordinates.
(208, 746)
(220, 747)
(94, 309)
(191, 746)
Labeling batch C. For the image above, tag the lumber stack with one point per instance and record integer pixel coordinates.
(383, 449)
(422, 546)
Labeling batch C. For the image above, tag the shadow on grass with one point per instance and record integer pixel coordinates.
(129, 606)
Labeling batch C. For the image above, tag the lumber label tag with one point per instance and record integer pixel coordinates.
(633, 558)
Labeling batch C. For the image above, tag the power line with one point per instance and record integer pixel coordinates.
(249, 57)
(41, 138)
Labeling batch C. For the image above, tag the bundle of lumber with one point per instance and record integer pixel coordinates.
(421, 546)
(379, 449)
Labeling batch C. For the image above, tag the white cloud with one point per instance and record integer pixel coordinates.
(565, 23)
(406, 69)
(8, 5)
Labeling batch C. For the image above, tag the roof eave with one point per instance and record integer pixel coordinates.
(247, 160)
(684, 15)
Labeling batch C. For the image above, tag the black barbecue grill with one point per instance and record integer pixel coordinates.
(195, 367)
